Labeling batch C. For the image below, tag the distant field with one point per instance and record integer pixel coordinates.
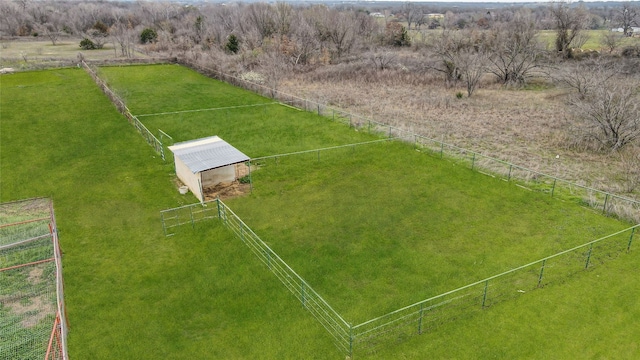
(547, 37)
(132, 293)
(25, 54)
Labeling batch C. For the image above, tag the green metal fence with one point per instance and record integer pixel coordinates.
(308, 297)
(188, 214)
(610, 204)
(427, 314)
(124, 110)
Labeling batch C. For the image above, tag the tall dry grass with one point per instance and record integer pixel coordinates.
(529, 127)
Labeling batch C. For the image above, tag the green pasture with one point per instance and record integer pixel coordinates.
(546, 37)
(256, 130)
(381, 226)
(255, 125)
(360, 224)
(161, 88)
(131, 293)
(430, 226)
(594, 39)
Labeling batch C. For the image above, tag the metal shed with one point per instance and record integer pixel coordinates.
(206, 162)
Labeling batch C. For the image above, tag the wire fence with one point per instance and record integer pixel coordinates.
(124, 110)
(608, 203)
(188, 214)
(427, 314)
(308, 297)
(32, 313)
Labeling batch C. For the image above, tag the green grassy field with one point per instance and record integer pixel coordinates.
(547, 38)
(594, 39)
(132, 293)
(383, 226)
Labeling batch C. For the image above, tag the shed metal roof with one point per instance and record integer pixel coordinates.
(207, 153)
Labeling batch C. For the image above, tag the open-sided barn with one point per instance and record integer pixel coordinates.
(205, 162)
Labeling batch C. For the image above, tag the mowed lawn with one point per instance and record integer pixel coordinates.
(131, 293)
(371, 228)
(255, 125)
(381, 226)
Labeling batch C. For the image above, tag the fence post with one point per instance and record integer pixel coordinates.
(586, 265)
(554, 186)
(318, 109)
(193, 225)
(218, 204)
(484, 296)
(350, 341)
(541, 272)
(473, 161)
(510, 168)
(441, 148)
(164, 228)
(420, 321)
(604, 207)
(630, 239)
(250, 178)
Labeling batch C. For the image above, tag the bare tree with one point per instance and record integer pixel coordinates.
(283, 18)
(472, 64)
(382, 58)
(569, 22)
(611, 40)
(630, 160)
(626, 17)
(583, 77)
(53, 25)
(13, 19)
(445, 50)
(123, 37)
(274, 65)
(306, 44)
(411, 13)
(98, 34)
(262, 17)
(341, 31)
(515, 50)
(461, 56)
(609, 111)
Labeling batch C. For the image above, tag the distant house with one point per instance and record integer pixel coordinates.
(634, 30)
(206, 162)
(377, 14)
